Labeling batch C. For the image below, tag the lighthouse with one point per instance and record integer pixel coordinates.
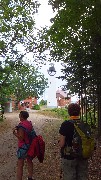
(51, 100)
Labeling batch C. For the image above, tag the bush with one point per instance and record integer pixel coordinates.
(36, 107)
(61, 112)
(43, 102)
(56, 112)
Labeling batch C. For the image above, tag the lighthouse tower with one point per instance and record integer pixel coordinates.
(52, 100)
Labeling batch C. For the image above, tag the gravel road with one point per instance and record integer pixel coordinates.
(8, 143)
(49, 170)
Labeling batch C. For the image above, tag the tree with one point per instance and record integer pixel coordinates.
(16, 29)
(26, 81)
(17, 38)
(75, 39)
(43, 102)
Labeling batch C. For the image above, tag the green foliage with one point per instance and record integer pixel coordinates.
(61, 112)
(75, 39)
(91, 119)
(26, 81)
(56, 112)
(43, 102)
(36, 107)
(17, 39)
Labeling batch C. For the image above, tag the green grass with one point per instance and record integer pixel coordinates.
(56, 112)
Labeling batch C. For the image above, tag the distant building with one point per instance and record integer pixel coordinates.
(62, 98)
(27, 103)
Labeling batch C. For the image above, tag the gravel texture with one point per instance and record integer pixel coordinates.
(50, 169)
(8, 143)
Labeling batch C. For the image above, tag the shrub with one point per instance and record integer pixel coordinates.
(61, 112)
(43, 102)
(36, 107)
(56, 112)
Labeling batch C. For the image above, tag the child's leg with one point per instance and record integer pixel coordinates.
(20, 165)
(30, 167)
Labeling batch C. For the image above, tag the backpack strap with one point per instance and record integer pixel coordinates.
(74, 120)
(24, 128)
(82, 128)
(79, 131)
(31, 134)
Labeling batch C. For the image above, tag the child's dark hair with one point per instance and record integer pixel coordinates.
(74, 109)
(24, 114)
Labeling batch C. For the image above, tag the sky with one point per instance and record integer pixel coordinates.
(44, 14)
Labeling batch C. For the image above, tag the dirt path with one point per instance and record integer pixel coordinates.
(50, 169)
(8, 145)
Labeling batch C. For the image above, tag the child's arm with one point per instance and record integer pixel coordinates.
(19, 133)
(61, 141)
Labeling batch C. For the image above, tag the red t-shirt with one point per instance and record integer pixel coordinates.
(27, 124)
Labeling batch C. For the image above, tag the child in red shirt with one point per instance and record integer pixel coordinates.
(23, 145)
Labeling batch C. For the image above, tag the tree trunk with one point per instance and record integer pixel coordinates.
(99, 110)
